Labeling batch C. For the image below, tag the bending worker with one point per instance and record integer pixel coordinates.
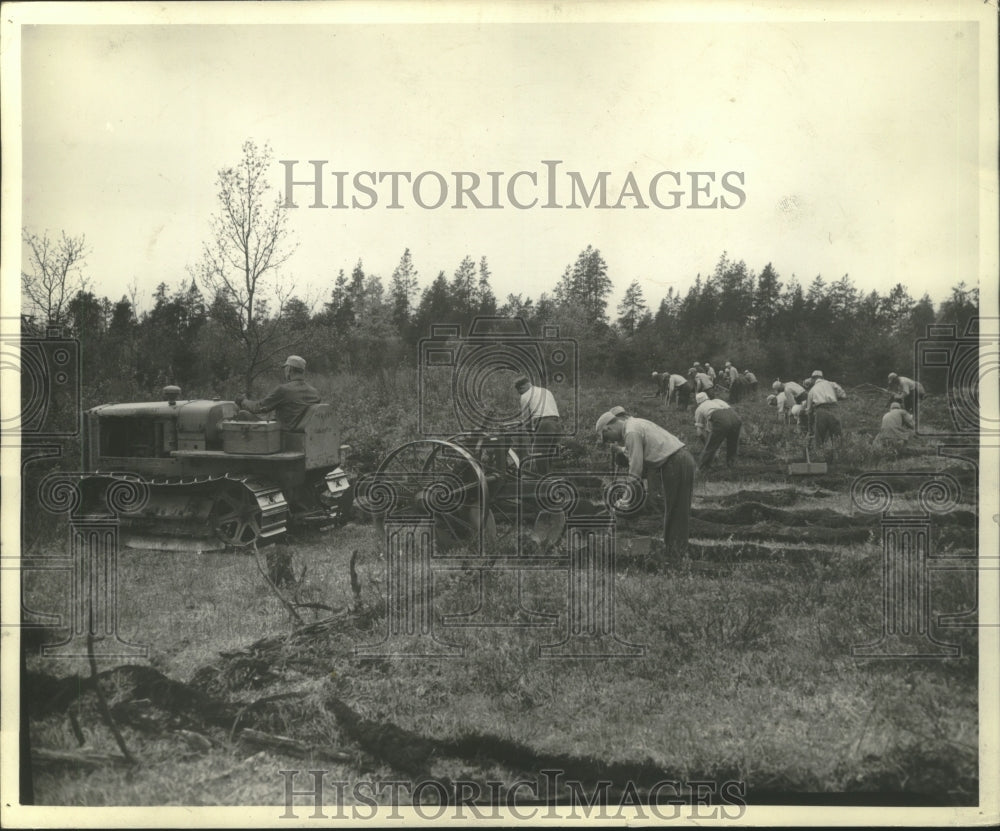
(701, 382)
(821, 406)
(716, 422)
(680, 387)
(897, 428)
(904, 390)
(290, 400)
(540, 415)
(652, 450)
(660, 379)
(788, 395)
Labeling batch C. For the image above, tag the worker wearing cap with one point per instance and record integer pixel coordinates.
(680, 387)
(751, 380)
(290, 400)
(716, 422)
(738, 386)
(789, 394)
(821, 407)
(731, 372)
(540, 415)
(651, 450)
(709, 371)
(701, 382)
(905, 390)
(661, 380)
(897, 427)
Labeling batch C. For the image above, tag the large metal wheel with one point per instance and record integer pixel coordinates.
(512, 481)
(442, 480)
(501, 466)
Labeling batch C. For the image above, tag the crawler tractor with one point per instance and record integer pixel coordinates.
(213, 481)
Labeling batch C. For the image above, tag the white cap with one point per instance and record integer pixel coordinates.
(817, 373)
(295, 362)
(608, 417)
(777, 386)
(655, 374)
(701, 398)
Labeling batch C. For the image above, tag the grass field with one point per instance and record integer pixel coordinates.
(746, 673)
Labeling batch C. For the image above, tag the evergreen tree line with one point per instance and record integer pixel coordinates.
(369, 328)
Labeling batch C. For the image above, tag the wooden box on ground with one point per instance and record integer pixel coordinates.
(255, 437)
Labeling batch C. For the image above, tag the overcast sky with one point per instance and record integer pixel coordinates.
(857, 144)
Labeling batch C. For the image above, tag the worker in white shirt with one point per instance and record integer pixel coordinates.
(681, 389)
(651, 450)
(787, 395)
(797, 417)
(821, 407)
(731, 373)
(897, 428)
(716, 422)
(540, 415)
(701, 382)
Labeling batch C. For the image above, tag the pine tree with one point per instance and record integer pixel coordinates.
(632, 308)
(402, 288)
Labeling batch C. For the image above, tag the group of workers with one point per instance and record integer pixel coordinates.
(811, 406)
(649, 450)
(702, 378)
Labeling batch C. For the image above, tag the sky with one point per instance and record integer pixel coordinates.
(854, 146)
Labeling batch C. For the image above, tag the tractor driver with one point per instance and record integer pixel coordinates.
(290, 400)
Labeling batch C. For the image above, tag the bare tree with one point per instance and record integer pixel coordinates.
(54, 275)
(249, 243)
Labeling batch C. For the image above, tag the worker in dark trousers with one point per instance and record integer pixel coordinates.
(650, 451)
(738, 389)
(540, 415)
(716, 422)
(681, 389)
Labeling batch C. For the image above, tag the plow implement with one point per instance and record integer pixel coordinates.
(486, 490)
